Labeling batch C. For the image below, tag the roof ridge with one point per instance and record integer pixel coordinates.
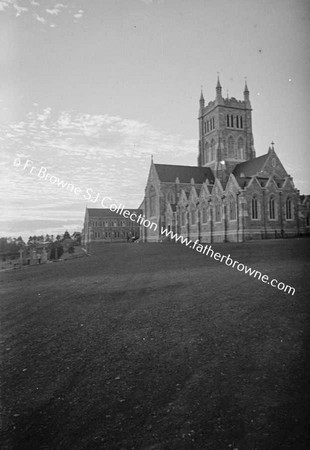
(170, 172)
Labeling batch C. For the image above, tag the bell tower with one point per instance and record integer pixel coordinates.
(225, 132)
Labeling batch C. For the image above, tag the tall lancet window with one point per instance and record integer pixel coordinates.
(272, 211)
(254, 205)
(207, 152)
(230, 144)
(288, 208)
(240, 148)
(232, 208)
(212, 150)
(218, 212)
(152, 201)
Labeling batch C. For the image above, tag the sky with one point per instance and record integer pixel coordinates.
(91, 89)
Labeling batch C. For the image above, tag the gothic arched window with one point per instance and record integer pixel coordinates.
(241, 122)
(152, 201)
(240, 148)
(183, 218)
(272, 210)
(193, 217)
(231, 120)
(207, 156)
(230, 144)
(237, 121)
(218, 215)
(227, 120)
(254, 207)
(212, 150)
(204, 214)
(232, 208)
(288, 208)
(170, 197)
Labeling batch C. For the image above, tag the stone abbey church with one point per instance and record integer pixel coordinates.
(231, 195)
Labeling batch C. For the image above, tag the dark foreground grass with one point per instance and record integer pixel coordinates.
(157, 347)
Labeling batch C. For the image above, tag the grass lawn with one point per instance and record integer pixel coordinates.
(155, 346)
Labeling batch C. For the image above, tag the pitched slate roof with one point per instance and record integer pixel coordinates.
(169, 173)
(106, 212)
(251, 167)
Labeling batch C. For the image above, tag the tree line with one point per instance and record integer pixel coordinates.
(10, 246)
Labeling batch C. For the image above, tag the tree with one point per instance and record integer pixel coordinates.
(9, 247)
(20, 242)
(60, 251)
(71, 248)
(3, 244)
(56, 249)
(77, 237)
(67, 235)
(53, 253)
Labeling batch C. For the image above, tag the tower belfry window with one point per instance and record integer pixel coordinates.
(227, 120)
(207, 156)
(240, 148)
(241, 122)
(212, 150)
(232, 121)
(237, 121)
(230, 143)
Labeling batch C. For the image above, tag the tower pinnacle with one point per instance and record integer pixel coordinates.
(218, 88)
(246, 92)
(218, 85)
(201, 100)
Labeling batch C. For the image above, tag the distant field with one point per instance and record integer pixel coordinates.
(155, 346)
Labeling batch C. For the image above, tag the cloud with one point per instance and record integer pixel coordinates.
(4, 5)
(19, 9)
(79, 14)
(39, 18)
(54, 11)
(40, 12)
(108, 155)
(148, 2)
